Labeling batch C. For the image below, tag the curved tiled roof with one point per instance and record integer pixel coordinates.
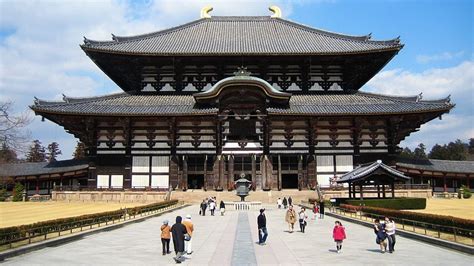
(446, 166)
(241, 36)
(124, 104)
(363, 171)
(42, 168)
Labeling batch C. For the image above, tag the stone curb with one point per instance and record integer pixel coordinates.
(414, 236)
(76, 236)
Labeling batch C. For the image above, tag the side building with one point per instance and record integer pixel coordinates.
(210, 100)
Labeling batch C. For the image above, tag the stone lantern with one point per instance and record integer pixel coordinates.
(242, 187)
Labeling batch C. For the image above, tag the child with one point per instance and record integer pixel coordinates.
(339, 234)
(315, 210)
(165, 237)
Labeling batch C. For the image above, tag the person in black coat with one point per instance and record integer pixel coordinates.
(203, 208)
(178, 230)
(290, 201)
(285, 202)
(262, 227)
(321, 209)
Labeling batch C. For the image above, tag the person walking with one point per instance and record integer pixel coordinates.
(262, 227)
(212, 206)
(165, 237)
(381, 239)
(339, 234)
(178, 230)
(321, 209)
(302, 219)
(390, 231)
(290, 218)
(285, 202)
(290, 201)
(279, 203)
(315, 210)
(222, 208)
(188, 245)
(203, 207)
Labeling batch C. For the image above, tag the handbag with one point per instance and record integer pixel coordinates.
(187, 237)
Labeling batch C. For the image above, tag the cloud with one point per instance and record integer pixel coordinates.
(425, 59)
(434, 83)
(40, 54)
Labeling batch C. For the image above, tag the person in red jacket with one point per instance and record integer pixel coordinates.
(339, 234)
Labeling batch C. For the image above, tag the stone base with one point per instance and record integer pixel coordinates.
(108, 196)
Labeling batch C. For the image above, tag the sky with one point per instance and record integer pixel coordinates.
(40, 54)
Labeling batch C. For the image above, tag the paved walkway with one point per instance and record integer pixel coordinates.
(231, 240)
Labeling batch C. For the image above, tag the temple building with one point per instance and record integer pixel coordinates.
(222, 96)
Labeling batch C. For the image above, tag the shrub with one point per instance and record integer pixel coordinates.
(466, 192)
(16, 233)
(3, 194)
(18, 192)
(421, 217)
(392, 203)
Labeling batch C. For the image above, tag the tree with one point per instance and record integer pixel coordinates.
(457, 151)
(406, 153)
(80, 151)
(420, 152)
(471, 146)
(37, 152)
(7, 155)
(11, 128)
(18, 192)
(53, 151)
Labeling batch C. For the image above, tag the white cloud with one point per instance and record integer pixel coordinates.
(425, 59)
(457, 81)
(40, 54)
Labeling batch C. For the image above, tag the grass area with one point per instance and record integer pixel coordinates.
(462, 208)
(19, 213)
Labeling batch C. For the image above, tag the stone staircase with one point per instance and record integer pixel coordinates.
(266, 197)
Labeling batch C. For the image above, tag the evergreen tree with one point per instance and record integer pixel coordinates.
(406, 153)
(457, 151)
(7, 155)
(53, 151)
(37, 152)
(80, 151)
(420, 152)
(18, 192)
(471, 146)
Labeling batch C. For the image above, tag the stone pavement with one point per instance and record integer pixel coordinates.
(215, 243)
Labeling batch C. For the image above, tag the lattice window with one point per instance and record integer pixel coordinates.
(324, 163)
(102, 181)
(116, 181)
(344, 163)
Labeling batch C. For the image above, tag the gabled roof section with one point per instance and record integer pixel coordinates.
(42, 168)
(125, 104)
(433, 165)
(241, 35)
(363, 172)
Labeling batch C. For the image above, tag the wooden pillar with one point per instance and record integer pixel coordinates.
(361, 192)
(279, 172)
(445, 188)
(231, 174)
(254, 171)
(393, 189)
(300, 172)
(184, 178)
(205, 173)
(383, 191)
(37, 185)
(378, 191)
(350, 191)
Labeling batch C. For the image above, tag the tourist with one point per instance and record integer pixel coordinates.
(222, 208)
(178, 230)
(315, 210)
(165, 237)
(203, 207)
(290, 201)
(321, 209)
(381, 239)
(290, 218)
(212, 206)
(279, 203)
(188, 245)
(285, 202)
(339, 234)
(302, 219)
(262, 228)
(390, 231)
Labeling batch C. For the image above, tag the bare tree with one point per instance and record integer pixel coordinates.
(12, 133)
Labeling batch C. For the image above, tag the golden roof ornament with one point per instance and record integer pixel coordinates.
(276, 11)
(205, 11)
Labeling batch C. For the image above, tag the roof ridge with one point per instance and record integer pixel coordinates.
(411, 98)
(358, 38)
(77, 100)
